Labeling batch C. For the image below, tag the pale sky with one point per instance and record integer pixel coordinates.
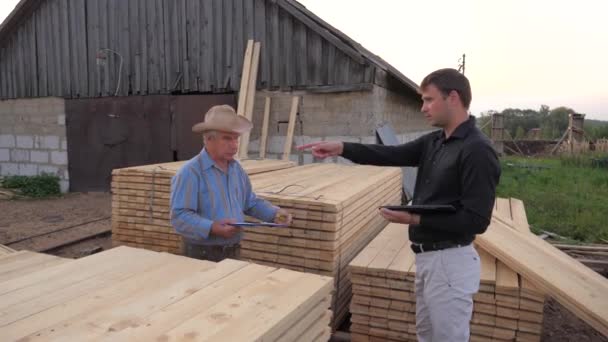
(519, 53)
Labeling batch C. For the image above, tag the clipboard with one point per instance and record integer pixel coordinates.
(422, 208)
(258, 224)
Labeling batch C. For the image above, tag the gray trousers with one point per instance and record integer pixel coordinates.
(446, 281)
(215, 253)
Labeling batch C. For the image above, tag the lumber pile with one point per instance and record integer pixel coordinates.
(508, 307)
(335, 209)
(572, 284)
(140, 203)
(17, 263)
(592, 256)
(102, 297)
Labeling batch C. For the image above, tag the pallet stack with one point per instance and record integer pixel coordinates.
(508, 307)
(335, 210)
(140, 203)
(102, 297)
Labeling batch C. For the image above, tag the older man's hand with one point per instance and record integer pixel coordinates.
(224, 229)
(283, 217)
(400, 216)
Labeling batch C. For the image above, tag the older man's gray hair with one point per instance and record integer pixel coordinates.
(209, 134)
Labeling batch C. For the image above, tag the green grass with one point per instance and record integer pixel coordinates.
(565, 196)
(33, 186)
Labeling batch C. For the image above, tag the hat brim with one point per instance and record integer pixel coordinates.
(239, 125)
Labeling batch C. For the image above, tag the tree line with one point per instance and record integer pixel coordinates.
(551, 122)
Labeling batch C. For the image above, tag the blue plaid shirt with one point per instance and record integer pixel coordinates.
(202, 193)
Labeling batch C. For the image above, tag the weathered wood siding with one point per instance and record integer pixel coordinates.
(169, 46)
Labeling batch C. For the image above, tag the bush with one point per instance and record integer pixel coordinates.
(44, 185)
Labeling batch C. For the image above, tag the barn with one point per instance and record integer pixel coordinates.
(87, 86)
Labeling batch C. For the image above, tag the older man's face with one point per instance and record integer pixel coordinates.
(223, 146)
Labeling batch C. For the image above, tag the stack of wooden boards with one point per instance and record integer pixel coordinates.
(158, 296)
(508, 307)
(518, 269)
(335, 209)
(572, 284)
(140, 203)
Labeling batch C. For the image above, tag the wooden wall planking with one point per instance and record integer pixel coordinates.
(189, 45)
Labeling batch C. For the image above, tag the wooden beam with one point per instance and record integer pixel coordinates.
(295, 102)
(264, 137)
(251, 86)
(245, 78)
(342, 88)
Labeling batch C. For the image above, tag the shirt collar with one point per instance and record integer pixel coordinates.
(208, 163)
(462, 130)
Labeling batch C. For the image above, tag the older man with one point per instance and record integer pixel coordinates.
(212, 190)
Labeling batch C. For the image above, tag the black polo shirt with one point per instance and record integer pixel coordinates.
(462, 170)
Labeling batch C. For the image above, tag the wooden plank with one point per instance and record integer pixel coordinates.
(213, 292)
(92, 28)
(34, 267)
(73, 17)
(229, 44)
(17, 260)
(251, 90)
(295, 102)
(488, 267)
(260, 36)
(24, 302)
(579, 291)
(284, 307)
(320, 30)
(185, 274)
(506, 280)
(245, 76)
(320, 315)
(64, 43)
(265, 123)
(362, 261)
(218, 41)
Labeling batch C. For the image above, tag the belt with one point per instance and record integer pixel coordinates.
(436, 246)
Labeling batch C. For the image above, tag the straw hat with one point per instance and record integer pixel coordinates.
(223, 118)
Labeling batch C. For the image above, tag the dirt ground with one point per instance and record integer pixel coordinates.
(79, 214)
(69, 217)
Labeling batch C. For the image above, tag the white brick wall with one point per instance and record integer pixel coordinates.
(49, 142)
(59, 157)
(25, 141)
(5, 155)
(20, 155)
(49, 169)
(9, 169)
(33, 138)
(7, 140)
(39, 156)
(28, 169)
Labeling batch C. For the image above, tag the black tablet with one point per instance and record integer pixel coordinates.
(422, 208)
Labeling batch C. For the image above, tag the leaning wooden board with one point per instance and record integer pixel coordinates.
(581, 290)
(101, 297)
(140, 203)
(383, 301)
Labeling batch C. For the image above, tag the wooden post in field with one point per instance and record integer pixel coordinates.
(498, 132)
(576, 134)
